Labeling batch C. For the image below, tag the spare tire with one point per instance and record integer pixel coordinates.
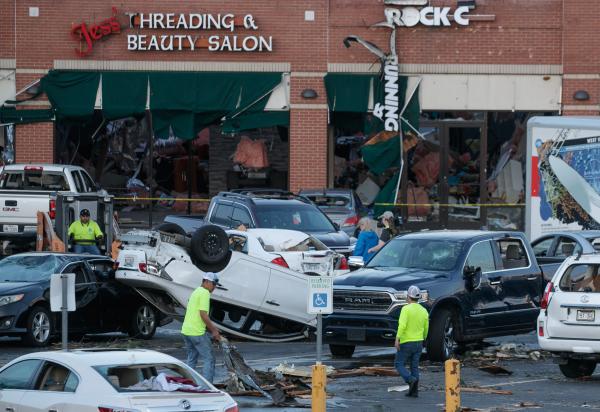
(210, 245)
(170, 228)
(214, 267)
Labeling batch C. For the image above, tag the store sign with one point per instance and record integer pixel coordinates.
(188, 25)
(90, 34)
(427, 16)
(388, 111)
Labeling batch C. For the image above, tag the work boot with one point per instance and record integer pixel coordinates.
(413, 389)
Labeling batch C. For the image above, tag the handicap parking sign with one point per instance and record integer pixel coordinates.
(320, 300)
(320, 295)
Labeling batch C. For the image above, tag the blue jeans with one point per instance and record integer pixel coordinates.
(200, 347)
(91, 249)
(409, 352)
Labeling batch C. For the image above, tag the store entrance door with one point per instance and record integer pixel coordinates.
(444, 177)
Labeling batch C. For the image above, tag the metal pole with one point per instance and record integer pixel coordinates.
(189, 176)
(151, 168)
(319, 337)
(65, 314)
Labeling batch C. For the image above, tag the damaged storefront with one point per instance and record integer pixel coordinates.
(163, 136)
(439, 148)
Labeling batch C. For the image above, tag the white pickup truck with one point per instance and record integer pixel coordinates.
(26, 189)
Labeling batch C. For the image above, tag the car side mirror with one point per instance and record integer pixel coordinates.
(336, 226)
(472, 276)
(470, 271)
(98, 187)
(356, 262)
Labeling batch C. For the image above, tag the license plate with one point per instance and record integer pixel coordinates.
(356, 335)
(10, 228)
(586, 315)
(312, 267)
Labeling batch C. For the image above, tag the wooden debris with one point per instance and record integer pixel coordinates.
(491, 391)
(495, 370)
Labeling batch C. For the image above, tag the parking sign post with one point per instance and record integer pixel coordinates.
(320, 301)
(65, 314)
(62, 299)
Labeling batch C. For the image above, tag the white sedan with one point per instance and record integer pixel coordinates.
(291, 249)
(258, 299)
(100, 380)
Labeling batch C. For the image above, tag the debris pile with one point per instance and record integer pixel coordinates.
(506, 351)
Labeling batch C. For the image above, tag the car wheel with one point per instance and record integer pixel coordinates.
(214, 267)
(210, 245)
(441, 343)
(39, 326)
(143, 322)
(342, 351)
(170, 228)
(577, 368)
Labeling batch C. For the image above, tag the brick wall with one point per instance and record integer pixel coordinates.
(550, 32)
(35, 143)
(308, 148)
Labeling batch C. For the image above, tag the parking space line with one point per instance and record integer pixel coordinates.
(514, 383)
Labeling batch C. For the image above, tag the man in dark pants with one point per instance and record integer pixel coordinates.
(413, 326)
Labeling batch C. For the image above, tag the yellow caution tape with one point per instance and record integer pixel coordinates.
(454, 204)
(168, 199)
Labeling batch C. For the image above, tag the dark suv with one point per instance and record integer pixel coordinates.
(475, 285)
(269, 209)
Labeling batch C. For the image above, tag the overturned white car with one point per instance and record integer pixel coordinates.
(260, 298)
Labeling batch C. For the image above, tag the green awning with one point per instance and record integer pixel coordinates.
(124, 94)
(188, 102)
(25, 116)
(209, 91)
(71, 93)
(182, 102)
(348, 92)
(256, 120)
(381, 156)
(386, 197)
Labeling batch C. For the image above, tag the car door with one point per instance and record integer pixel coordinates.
(86, 317)
(15, 382)
(54, 389)
(221, 214)
(111, 294)
(484, 307)
(520, 283)
(287, 295)
(574, 308)
(244, 281)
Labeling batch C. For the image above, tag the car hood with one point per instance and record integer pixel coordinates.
(333, 239)
(395, 278)
(7, 288)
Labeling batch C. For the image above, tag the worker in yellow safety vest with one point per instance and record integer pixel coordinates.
(413, 326)
(85, 233)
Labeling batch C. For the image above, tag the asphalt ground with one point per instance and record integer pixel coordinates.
(534, 384)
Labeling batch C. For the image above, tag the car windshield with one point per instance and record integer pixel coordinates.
(155, 377)
(330, 201)
(29, 268)
(426, 254)
(305, 218)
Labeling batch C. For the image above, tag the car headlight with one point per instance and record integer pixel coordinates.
(402, 296)
(5, 300)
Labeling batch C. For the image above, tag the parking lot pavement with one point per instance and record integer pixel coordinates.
(538, 384)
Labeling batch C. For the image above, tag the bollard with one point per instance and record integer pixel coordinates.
(452, 367)
(319, 381)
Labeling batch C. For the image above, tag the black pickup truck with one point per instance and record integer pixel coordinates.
(476, 284)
